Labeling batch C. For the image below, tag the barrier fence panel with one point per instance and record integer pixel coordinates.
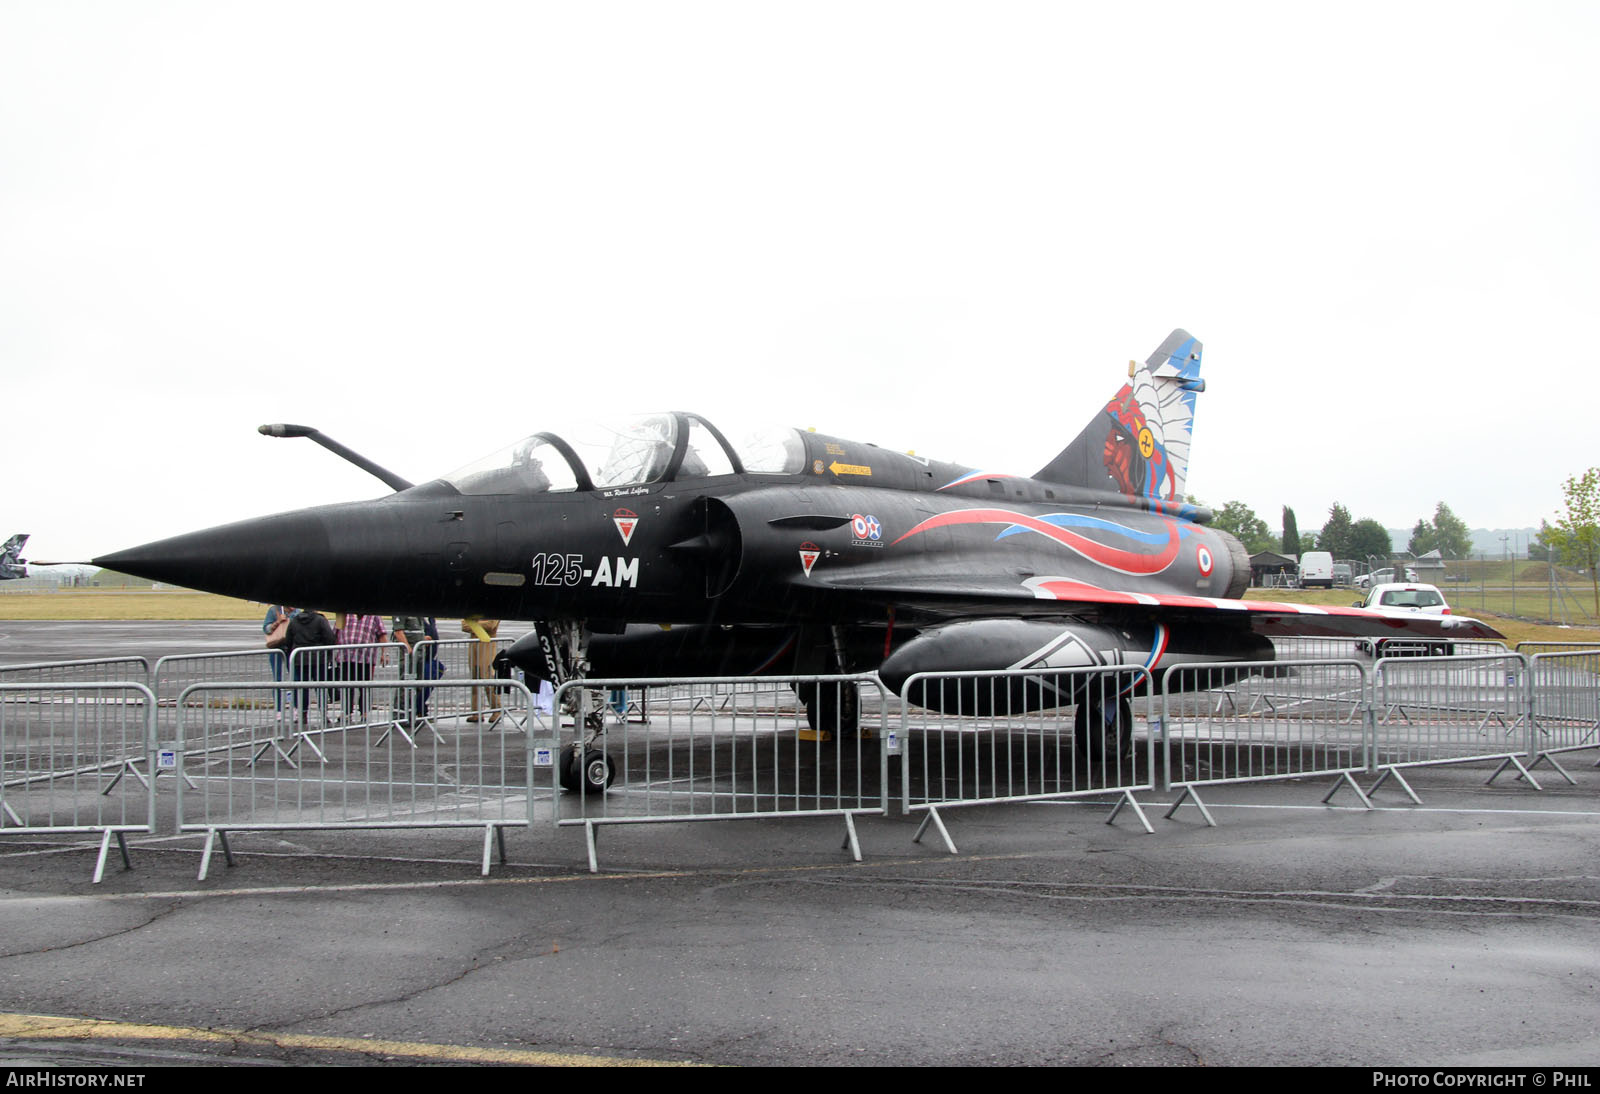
(1253, 721)
(395, 767)
(1330, 648)
(78, 758)
(354, 678)
(1566, 704)
(1433, 647)
(982, 738)
(724, 748)
(1447, 710)
(456, 660)
(110, 670)
(176, 672)
(1532, 648)
(468, 658)
(1318, 648)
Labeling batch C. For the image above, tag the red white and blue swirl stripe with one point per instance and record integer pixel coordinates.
(1057, 527)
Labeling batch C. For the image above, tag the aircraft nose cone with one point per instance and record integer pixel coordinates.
(278, 559)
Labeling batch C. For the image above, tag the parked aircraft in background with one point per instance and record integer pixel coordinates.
(14, 566)
(660, 546)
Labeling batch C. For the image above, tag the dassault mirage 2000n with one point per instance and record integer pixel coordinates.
(661, 547)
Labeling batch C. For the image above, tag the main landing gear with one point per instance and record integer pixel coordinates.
(1102, 728)
(833, 707)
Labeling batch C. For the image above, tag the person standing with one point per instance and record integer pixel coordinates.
(482, 663)
(308, 629)
(276, 627)
(359, 639)
(411, 632)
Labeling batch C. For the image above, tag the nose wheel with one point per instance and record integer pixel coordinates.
(580, 768)
(585, 770)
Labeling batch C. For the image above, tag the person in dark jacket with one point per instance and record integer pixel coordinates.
(307, 629)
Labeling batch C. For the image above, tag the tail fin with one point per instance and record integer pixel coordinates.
(10, 565)
(1138, 443)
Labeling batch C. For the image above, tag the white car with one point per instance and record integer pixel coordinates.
(1411, 597)
(1383, 576)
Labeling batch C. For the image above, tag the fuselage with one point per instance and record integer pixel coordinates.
(844, 533)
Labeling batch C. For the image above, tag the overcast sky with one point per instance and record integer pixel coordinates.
(431, 229)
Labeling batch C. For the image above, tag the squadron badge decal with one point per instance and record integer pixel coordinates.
(626, 521)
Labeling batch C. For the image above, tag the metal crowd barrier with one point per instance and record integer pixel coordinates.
(1253, 721)
(725, 748)
(342, 694)
(109, 670)
(464, 659)
(1450, 710)
(1531, 649)
(1331, 648)
(73, 755)
(1476, 648)
(400, 766)
(1316, 648)
(348, 676)
(1565, 688)
(455, 656)
(1024, 735)
(176, 672)
(424, 747)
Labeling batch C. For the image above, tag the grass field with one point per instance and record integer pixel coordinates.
(125, 604)
(1535, 603)
(1515, 630)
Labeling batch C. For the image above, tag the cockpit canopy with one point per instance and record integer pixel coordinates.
(671, 447)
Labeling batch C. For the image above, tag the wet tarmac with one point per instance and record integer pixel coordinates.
(27, 642)
(1456, 932)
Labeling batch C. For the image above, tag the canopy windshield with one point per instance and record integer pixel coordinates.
(634, 452)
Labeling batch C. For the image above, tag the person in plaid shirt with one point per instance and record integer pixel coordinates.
(356, 665)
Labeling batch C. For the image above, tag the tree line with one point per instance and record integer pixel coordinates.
(1573, 539)
(1342, 536)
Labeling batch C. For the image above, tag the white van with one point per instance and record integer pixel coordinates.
(1316, 570)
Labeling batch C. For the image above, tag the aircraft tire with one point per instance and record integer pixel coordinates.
(569, 767)
(1096, 738)
(832, 708)
(597, 773)
(586, 772)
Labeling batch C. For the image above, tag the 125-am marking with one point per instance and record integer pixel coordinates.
(554, 569)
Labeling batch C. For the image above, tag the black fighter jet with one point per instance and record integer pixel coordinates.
(663, 547)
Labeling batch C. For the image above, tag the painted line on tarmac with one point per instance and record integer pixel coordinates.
(1425, 809)
(51, 1027)
(17, 897)
(1358, 809)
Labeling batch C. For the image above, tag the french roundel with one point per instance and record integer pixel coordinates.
(858, 524)
(1203, 557)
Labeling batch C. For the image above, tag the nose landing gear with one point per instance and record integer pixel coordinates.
(580, 768)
